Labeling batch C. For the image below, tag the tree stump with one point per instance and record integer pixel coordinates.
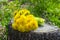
(42, 33)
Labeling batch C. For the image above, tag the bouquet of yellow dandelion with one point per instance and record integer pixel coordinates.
(24, 21)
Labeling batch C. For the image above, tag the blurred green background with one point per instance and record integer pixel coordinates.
(47, 9)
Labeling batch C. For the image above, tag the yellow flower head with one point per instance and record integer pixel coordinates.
(24, 12)
(24, 21)
(15, 12)
(14, 26)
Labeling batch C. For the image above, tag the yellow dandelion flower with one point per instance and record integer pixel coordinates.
(30, 17)
(16, 16)
(14, 26)
(24, 12)
(21, 28)
(24, 21)
(15, 12)
(20, 12)
(34, 24)
(18, 21)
